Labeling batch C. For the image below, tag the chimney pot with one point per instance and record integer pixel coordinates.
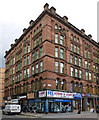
(24, 30)
(46, 6)
(11, 45)
(16, 40)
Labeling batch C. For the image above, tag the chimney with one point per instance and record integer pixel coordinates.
(65, 18)
(90, 36)
(31, 22)
(24, 30)
(46, 6)
(53, 10)
(83, 31)
(6, 52)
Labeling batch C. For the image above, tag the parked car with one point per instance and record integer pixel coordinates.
(97, 108)
(12, 109)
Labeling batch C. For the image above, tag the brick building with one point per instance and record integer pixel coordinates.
(53, 64)
(2, 75)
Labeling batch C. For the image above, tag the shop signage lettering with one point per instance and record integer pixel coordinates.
(77, 95)
(59, 94)
(42, 93)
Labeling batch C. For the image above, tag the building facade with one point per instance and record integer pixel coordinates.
(2, 78)
(53, 65)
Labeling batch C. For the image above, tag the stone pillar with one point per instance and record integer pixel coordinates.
(46, 106)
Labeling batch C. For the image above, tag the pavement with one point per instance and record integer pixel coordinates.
(62, 115)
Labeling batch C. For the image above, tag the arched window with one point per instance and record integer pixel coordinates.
(41, 84)
(72, 86)
(56, 26)
(57, 83)
(90, 89)
(81, 87)
(60, 27)
(76, 86)
(87, 89)
(63, 84)
(32, 85)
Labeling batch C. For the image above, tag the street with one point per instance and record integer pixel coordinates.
(60, 116)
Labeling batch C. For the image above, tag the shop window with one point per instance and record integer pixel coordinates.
(57, 83)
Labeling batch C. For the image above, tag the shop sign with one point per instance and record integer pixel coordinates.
(61, 100)
(22, 97)
(77, 95)
(58, 94)
(30, 95)
(42, 93)
(14, 101)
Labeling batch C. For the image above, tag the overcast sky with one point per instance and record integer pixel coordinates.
(16, 14)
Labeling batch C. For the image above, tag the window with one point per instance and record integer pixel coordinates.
(62, 53)
(36, 84)
(76, 72)
(72, 71)
(56, 26)
(25, 61)
(36, 54)
(90, 90)
(36, 68)
(61, 67)
(32, 85)
(80, 62)
(28, 48)
(28, 58)
(56, 66)
(13, 60)
(95, 89)
(78, 50)
(80, 86)
(63, 84)
(40, 27)
(76, 61)
(87, 89)
(88, 54)
(71, 36)
(34, 32)
(41, 38)
(95, 78)
(41, 66)
(56, 52)
(21, 65)
(24, 73)
(20, 76)
(86, 75)
(37, 40)
(13, 80)
(57, 83)
(90, 76)
(61, 40)
(76, 86)
(27, 72)
(80, 73)
(25, 50)
(37, 30)
(85, 53)
(71, 58)
(77, 40)
(13, 70)
(86, 64)
(72, 49)
(75, 48)
(97, 69)
(56, 38)
(74, 38)
(60, 28)
(34, 44)
(41, 51)
(32, 57)
(32, 70)
(72, 86)
(89, 64)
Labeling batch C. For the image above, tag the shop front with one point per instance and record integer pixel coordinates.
(91, 101)
(56, 101)
(77, 101)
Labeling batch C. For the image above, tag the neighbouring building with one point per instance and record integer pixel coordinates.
(53, 66)
(2, 78)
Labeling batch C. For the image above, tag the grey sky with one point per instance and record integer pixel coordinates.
(16, 14)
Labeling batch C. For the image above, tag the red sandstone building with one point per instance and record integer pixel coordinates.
(53, 64)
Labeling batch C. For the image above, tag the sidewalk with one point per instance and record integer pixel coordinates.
(62, 115)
